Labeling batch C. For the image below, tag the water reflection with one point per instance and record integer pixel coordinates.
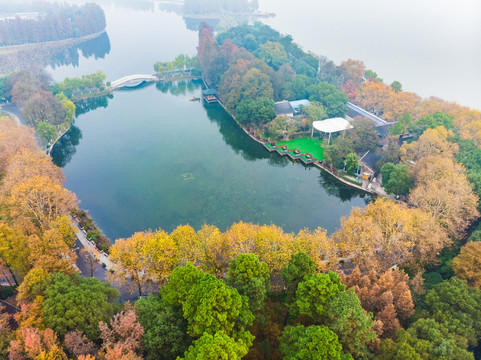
(336, 188)
(177, 88)
(98, 48)
(66, 147)
(86, 105)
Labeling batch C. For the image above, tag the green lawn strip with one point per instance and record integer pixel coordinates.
(305, 145)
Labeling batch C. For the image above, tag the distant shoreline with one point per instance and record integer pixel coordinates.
(56, 42)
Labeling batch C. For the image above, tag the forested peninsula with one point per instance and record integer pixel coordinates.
(400, 279)
(46, 22)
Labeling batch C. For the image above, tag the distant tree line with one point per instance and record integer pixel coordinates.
(216, 6)
(56, 22)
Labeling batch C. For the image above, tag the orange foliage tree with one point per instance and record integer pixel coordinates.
(387, 296)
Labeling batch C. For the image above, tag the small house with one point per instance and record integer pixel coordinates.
(284, 108)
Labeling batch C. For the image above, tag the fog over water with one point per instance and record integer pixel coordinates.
(433, 47)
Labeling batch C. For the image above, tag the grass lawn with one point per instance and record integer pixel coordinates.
(305, 145)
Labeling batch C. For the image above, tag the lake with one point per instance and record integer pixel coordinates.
(150, 158)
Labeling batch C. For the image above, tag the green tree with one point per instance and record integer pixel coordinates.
(300, 268)
(333, 99)
(46, 131)
(212, 306)
(457, 307)
(297, 88)
(313, 342)
(279, 127)
(251, 278)
(218, 346)
(273, 53)
(369, 74)
(396, 86)
(255, 112)
(314, 294)
(352, 163)
(255, 84)
(165, 336)
(314, 112)
(425, 339)
(363, 135)
(402, 125)
(353, 326)
(386, 171)
(180, 282)
(399, 181)
(77, 303)
(432, 121)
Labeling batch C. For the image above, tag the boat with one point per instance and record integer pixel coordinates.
(194, 99)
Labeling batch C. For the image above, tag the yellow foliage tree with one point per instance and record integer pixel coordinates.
(467, 265)
(431, 142)
(188, 246)
(318, 246)
(14, 138)
(385, 234)
(27, 164)
(442, 190)
(40, 200)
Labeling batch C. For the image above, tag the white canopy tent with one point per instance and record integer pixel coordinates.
(331, 126)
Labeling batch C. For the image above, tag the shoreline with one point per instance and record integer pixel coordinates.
(317, 164)
(53, 42)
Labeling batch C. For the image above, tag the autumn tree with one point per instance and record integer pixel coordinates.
(14, 250)
(353, 70)
(309, 343)
(143, 257)
(217, 250)
(385, 234)
(467, 265)
(121, 340)
(386, 295)
(442, 189)
(432, 142)
(5, 332)
(384, 101)
(35, 344)
(189, 249)
(317, 245)
(77, 344)
(13, 139)
(40, 200)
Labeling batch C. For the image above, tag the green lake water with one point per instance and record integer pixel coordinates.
(152, 159)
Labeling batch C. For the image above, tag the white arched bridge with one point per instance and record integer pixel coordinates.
(132, 81)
